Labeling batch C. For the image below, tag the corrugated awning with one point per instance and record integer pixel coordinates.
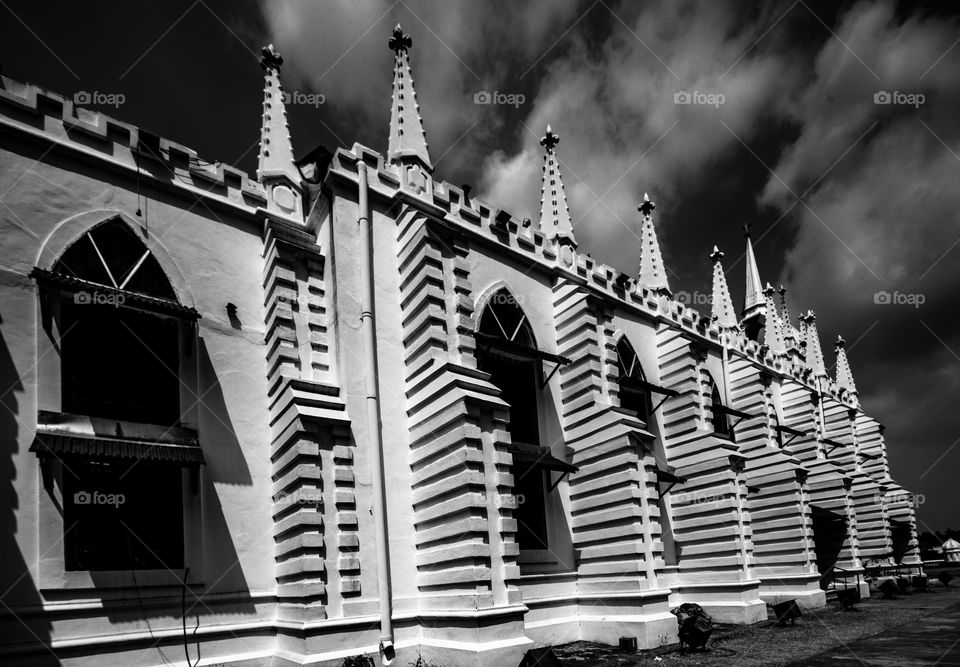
(539, 457)
(130, 299)
(517, 349)
(97, 448)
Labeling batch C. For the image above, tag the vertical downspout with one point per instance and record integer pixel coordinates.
(371, 377)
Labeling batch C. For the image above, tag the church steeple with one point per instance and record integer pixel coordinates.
(554, 212)
(276, 168)
(653, 274)
(844, 376)
(722, 310)
(754, 304)
(814, 354)
(408, 142)
(753, 300)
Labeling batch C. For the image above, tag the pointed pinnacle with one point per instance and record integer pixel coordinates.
(399, 41)
(269, 58)
(549, 140)
(646, 208)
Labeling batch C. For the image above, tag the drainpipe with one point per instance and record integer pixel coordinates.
(371, 377)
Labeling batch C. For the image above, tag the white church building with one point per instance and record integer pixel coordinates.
(344, 408)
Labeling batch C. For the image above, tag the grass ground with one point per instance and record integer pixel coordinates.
(767, 644)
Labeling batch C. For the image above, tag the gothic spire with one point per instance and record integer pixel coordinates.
(653, 274)
(814, 354)
(844, 376)
(554, 212)
(722, 311)
(753, 301)
(276, 150)
(407, 138)
(773, 328)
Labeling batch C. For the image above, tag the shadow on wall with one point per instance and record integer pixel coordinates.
(224, 589)
(21, 623)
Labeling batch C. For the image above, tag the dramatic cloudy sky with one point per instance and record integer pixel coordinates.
(847, 197)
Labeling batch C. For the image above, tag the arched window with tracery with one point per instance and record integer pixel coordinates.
(123, 339)
(119, 344)
(507, 350)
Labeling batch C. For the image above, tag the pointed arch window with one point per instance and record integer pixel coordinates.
(111, 425)
(506, 349)
(634, 393)
(118, 321)
(719, 420)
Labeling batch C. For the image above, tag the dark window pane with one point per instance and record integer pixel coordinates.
(518, 381)
(720, 424)
(133, 523)
(119, 363)
(531, 514)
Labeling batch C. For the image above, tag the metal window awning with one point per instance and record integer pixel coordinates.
(733, 412)
(521, 352)
(129, 299)
(535, 456)
(832, 444)
(871, 457)
(60, 445)
(792, 432)
(636, 384)
(669, 478)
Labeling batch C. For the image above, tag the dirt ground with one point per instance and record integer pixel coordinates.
(767, 644)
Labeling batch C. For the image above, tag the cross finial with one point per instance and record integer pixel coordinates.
(808, 317)
(746, 230)
(782, 291)
(841, 343)
(270, 59)
(549, 140)
(646, 208)
(768, 291)
(716, 255)
(399, 42)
